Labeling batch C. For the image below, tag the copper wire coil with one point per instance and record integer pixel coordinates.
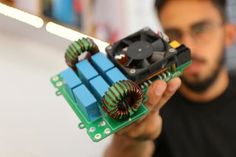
(77, 48)
(122, 100)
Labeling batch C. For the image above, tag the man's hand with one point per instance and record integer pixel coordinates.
(149, 127)
(136, 139)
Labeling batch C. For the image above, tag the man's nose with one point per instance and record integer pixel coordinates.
(189, 41)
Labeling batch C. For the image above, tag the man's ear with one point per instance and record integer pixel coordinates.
(230, 34)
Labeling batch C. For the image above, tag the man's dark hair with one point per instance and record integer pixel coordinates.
(219, 4)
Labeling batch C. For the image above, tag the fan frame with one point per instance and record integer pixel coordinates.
(140, 75)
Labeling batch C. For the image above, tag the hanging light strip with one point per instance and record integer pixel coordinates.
(21, 16)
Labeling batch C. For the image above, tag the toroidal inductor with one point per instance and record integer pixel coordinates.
(122, 99)
(77, 48)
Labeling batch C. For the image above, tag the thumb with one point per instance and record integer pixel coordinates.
(155, 92)
(160, 92)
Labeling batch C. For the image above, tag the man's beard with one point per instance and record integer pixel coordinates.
(203, 85)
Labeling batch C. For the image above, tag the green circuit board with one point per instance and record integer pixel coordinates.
(105, 125)
(109, 92)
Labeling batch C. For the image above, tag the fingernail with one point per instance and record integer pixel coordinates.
(160, 89)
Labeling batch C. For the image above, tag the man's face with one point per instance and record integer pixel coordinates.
(199, 25)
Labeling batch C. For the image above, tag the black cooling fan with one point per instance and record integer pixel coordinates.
(141, 54)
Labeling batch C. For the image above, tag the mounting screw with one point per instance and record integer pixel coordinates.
(171, 50)
(132, 71)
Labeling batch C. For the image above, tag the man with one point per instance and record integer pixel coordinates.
(198, 121)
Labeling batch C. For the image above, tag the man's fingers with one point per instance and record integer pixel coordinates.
(148, 129)
(160, 92)
(155, 92)
(172, 87)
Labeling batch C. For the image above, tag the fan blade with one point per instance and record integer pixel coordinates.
(158, 45)
(129, 62)
(156, 56)
(137, 64)
(145, 63)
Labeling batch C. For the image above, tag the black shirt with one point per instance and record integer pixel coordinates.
(192, 129)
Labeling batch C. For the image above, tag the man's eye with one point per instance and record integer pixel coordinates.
(199, 29)
(173, 34)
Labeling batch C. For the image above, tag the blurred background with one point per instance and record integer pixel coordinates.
(34, 34)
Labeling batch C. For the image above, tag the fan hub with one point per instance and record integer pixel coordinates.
(140, 50)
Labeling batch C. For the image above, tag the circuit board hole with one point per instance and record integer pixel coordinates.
(98, 136)
(81, 125)
(59, 84)
(103, 123)
(55, 78)
(92, 129)
(107, 131)
(58, 93)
